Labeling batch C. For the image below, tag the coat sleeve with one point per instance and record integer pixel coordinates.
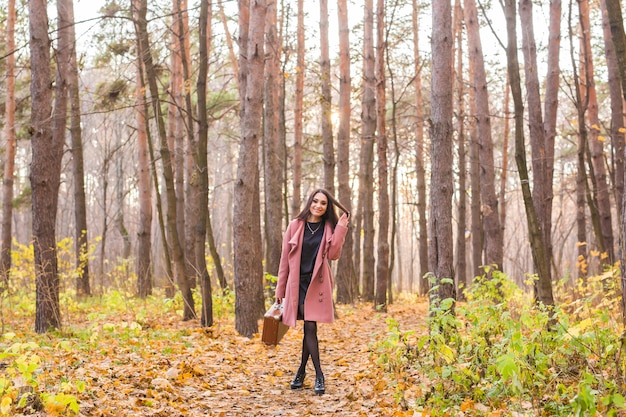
(336, 242)
(283, 268)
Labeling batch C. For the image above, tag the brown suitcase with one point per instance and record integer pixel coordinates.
(273, 327)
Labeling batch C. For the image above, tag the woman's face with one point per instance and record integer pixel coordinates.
(319, 205)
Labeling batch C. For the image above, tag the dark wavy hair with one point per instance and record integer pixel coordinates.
(330, 215)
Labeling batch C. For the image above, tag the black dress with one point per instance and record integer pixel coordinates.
(311, 240)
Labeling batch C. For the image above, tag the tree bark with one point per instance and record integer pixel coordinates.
(441, 245)
(420, 170)
(249, 305)
(541, 192)
(10, 150)
(382, 260)
(296, 195)
(144, 233)
(543, 286)
(617, 110)
(168, 173)
(494, 242)
(201, 170)
(475, 201)
(347, 285)
(47, 151)
(461, 250)
(326, 102)
(66, 23)
(601, 187)
(616, 23)
(551, 103)
(364, 220)
(273, 178)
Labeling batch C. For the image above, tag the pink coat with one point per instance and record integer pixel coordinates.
(318, 305)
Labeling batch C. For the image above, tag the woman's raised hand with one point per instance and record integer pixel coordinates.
(344, 219)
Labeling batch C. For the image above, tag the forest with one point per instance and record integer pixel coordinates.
(153, 154)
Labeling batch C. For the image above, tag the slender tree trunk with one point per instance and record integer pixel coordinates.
(201, 170)
(347, 286)
(475, 202)
(382, 259)
(551, 103)
(617, 112)
(168, 174)
(542, 266)
(616, 23)
(273, 180)
(45, 170)
(229, 42)
(494, 242)
(144, 232)
(326, 101)
(296, 198)
(170, 291)
(461, 252)
(66, 23)
(419, 159)
(119, 216)
(541, 193)
(441, 245)
(505, 157)
(10, 149)
(249, 305)
(365, 214)
(601, 187)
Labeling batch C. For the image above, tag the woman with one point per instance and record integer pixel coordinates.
(305, 282)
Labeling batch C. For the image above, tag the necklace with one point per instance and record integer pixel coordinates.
(308, 225)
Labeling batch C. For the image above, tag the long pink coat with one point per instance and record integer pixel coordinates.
(318, 304)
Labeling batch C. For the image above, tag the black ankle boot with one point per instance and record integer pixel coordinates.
(298, 381)
(319, 385)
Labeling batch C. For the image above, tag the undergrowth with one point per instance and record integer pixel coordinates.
(501, 354)
(30, 377)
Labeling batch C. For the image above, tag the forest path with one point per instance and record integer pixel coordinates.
(216, 372)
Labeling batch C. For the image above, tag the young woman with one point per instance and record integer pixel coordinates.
(305, 283)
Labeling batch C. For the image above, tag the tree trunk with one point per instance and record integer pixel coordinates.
(551, 104)
(461, 253)
(541, 192)
(168, 174)
(326, 101)
(296, 197)
(66, 23)
(420, 170)
(441, 245)
(347, 285)
(10, 150)
(365, 215)
(543, 286)
(170, 291)
(494, 242)
(505, 158)
(382, 260)
(144, 232)
(201, 170)
(249, 305)
(601, 187)
(475, 202)
(616, 23)
(617, 110)
(273, 164)
(45, 170)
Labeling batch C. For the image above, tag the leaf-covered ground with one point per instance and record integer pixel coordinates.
(161, 366)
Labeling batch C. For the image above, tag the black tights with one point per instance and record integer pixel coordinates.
(310, 347)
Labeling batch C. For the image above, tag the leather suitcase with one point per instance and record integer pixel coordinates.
(273, 327)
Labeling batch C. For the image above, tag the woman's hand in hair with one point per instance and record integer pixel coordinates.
(344, 219)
